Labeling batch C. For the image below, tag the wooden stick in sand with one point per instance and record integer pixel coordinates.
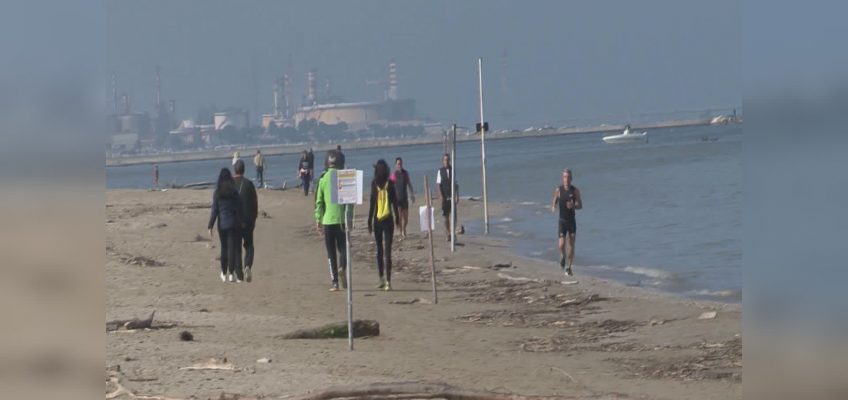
(430, 236)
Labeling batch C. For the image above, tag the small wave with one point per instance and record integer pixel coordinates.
(529, 203)
(505, 219)
(725, 294)
(649, 272)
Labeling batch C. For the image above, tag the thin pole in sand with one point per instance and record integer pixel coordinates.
(430, 236)
(348, 222)
(483, 150)
(453, 192)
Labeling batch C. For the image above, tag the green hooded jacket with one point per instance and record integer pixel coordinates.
(327, 212)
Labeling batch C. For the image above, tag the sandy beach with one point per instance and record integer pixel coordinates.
(503, 323)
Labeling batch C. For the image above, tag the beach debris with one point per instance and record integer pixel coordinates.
(582, 301)
(498, 267)
(429, 390)
(155, 226)
(517, 278)
(130, 324)
(338, 330)
(655, 322)
(201, 238)
(708, 315)
(412, 301)
(186, 336)
(264, 360)
(264, 214)
(214, 363)
(710, 361)
(141, 261)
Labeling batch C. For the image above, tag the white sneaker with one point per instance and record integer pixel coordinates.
(223, 277)
(247, 276)
(231, 278)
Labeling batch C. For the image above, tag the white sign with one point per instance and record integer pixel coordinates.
(422, 218)
(347, 186)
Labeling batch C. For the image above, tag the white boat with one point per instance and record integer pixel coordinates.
(627, 137)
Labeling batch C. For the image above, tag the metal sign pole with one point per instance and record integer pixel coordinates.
(483, 150)
(453, 192)
(348, 222)
(430, 235)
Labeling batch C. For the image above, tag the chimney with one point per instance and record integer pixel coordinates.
(157, 87)
(115, 92)
(287, 94)
(277, 97)
(172, 107)
(393, 81)
(310, 82)
(125, 98)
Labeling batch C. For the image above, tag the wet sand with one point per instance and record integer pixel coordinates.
(505, 329)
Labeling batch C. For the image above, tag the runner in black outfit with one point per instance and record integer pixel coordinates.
(567, 197)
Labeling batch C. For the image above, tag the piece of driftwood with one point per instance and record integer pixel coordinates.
(338, 330)
(130, 324)
(434, 390)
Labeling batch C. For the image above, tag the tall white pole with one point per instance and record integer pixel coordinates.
(483, 150)
(453, 191)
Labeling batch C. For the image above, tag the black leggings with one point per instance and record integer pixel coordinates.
(231, 251)
(306, 180)
(383, 233)
(334, 239)
(247, 235)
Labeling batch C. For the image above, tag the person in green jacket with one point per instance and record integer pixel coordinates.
(330, 220)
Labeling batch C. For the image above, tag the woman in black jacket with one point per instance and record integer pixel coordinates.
(227, 209)
(382, 216)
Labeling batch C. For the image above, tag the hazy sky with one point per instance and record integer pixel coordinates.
(544, 61)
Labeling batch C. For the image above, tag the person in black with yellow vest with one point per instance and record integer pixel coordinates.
(567, 197)
(382, 216)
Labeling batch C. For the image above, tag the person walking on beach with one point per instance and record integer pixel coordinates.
(310, 161)
(382, 216)
(303, 172)
(330, 220)
(401, 181)
(259, 163)
(250, 204)
(567, 197)
(228, 211)
(156, 176)
(236, 157)
(443, 180)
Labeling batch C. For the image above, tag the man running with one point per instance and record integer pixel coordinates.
(567, 197)
(443, 180)
(330, 217)
(400, 180)
(247, 193)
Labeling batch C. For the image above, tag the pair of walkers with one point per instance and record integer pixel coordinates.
(234, 208)
(383, 216)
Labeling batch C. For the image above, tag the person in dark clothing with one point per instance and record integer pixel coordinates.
(404, 192)
(568, 198)
(250, 203)
(229, 212)
(443, 180)
(310, 160)
(339, 155)
(382, 216)
(303, 172)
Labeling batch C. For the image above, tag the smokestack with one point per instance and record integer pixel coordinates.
(393, 81)
(287, 94)
(115, 92)
(277, 96)
(310, 82)
(125, 98)
(172, 107)
(157, 87)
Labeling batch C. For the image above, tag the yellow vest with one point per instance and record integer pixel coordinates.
(383, 209)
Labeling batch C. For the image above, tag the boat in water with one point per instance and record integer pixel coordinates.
(627, 137)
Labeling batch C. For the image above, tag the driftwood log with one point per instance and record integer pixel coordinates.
(434, 390)
(338, 330)
(130, 324)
